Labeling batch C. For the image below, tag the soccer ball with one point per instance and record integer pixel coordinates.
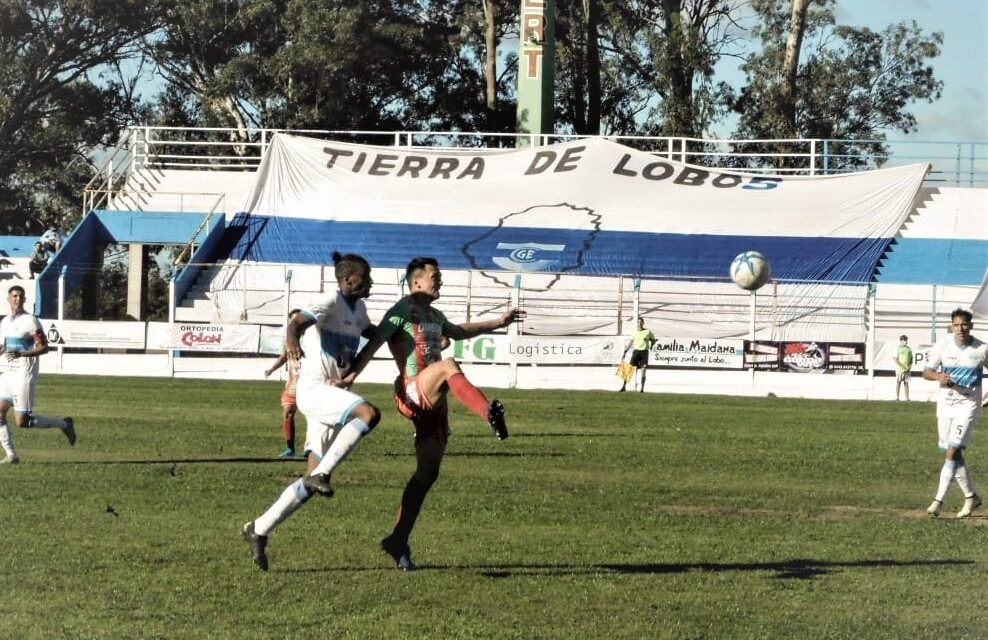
(750, 270)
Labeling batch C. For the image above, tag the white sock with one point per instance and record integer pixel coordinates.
(349, 435)
(946, 475)
(6, 442)
(964, 481)
(45, 422)
(290, 500)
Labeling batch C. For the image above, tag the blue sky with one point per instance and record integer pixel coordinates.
(961, 113)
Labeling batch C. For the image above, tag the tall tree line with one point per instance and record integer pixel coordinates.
(73, 73)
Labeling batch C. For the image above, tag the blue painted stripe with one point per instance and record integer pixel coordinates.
(958, 262)
(603, 252)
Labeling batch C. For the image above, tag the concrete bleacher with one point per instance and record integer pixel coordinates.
(944, 241)
(936, 265)
(15, 254)
(154, 189)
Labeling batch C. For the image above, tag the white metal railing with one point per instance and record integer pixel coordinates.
(217, 149)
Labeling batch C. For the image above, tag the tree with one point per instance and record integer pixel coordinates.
(59, 98)
(654, 62)
(214, 52)
(854, 83)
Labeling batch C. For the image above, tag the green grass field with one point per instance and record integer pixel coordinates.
(603, 516)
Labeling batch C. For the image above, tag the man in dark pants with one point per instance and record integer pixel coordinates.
(414, 331)
(640, 343)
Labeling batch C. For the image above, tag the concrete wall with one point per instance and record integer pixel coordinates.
(834, 386)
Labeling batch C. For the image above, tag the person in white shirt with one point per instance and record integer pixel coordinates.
(957, 364)
(324, 338)
(23, 342)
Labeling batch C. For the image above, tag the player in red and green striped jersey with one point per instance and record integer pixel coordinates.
(414, 331)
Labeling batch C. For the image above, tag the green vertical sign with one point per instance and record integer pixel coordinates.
(536, 58)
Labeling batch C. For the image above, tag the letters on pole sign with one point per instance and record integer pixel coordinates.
(94, 334)
(235, 338)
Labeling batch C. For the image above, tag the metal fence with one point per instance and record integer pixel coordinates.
(221, 149)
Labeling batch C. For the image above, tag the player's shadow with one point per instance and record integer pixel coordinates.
(174, 461)
(798, 569)
(484, 454)
(563, 434)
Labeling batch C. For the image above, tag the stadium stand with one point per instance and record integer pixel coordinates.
(248, 267)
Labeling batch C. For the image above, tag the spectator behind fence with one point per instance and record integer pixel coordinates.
(39, 259)
(52, 238)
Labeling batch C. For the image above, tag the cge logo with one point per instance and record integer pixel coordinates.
(526, 256)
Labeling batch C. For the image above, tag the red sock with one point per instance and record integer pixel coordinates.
(471, 397)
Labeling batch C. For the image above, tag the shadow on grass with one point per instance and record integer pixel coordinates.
(799, 569)
(275, 460)
(558, 434)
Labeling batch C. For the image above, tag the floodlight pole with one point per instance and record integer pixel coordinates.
(751, 314)
(61, 309)
(288, 294)
(514, 330)
(171, 327)
(870, 347)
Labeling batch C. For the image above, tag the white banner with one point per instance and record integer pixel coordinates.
(885, 355)
(272, 340)
(549, 350)
(94, 334)
(316, 178)
(240, 338)
(698, 352)
(563, 350)
(159, 336)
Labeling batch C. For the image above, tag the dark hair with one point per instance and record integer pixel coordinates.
(903, 337)
(963, 313)
(16, 287)
(418, 264)
(347, 264)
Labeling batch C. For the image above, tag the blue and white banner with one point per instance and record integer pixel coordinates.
(587, 207)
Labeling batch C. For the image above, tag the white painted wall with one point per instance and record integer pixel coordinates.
(837, 386)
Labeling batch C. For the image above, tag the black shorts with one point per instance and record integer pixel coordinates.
(639, 358)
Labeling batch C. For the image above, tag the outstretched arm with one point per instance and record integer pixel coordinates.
(282, 359)
(469, 330)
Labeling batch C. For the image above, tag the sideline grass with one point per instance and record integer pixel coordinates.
(603, 516)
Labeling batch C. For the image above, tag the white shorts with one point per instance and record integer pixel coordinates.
(956, 431)
(18, 389)
(326, 409)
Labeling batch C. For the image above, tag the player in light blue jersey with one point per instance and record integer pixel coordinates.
(957, 365)
(23, 342)
(324, 338)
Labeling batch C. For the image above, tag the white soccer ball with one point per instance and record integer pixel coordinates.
(750, 270)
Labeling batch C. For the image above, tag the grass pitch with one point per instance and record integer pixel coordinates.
(605, 515)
